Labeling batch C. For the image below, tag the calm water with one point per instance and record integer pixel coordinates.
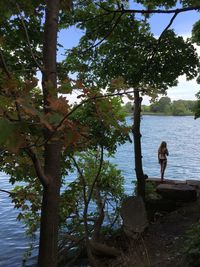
(183, 137)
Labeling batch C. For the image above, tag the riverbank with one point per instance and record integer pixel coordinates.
(165, 242)
(161, 114)
(162, 244)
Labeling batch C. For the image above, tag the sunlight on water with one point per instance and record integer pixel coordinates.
(182, 135)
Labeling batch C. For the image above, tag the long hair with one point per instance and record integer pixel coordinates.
(162, 148)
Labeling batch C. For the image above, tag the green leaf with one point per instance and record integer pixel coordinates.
(65, 88)
(10, 136)
(55, 118)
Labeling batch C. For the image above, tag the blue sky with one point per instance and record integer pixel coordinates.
(182, 25)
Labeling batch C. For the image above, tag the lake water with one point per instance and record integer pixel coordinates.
(182, 135)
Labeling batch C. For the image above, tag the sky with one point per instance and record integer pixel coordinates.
(182, 26)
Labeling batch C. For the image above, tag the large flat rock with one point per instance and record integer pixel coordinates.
(195, 183)
(182, 192)
(166, 181)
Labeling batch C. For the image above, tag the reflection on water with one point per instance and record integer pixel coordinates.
(182, 135)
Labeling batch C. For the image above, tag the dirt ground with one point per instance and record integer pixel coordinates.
(161, 245)
(165, 238)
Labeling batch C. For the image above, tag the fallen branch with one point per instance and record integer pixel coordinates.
(103, 249)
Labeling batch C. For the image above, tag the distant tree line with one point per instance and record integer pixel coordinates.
(165, 106)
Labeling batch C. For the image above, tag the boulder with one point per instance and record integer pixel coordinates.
(178, 192)
(158, 181)
(134, 216)
(194, 183)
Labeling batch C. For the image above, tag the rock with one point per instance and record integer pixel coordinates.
(160, 206)
(134, 216)
(103, 249)
(174, 181)
(182, 192)
(194, 183)
(157, 181)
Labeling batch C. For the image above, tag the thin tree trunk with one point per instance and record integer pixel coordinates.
(52, 150)
(50, 203)
(101, 215)
(137, 145)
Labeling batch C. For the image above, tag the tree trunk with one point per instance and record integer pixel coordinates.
(101, 215)
(137, 145)
(52, 150)
(50, 203)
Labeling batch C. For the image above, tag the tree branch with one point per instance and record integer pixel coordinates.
(82, 178)
(97, 175)
(40, 174)
(167, 27)
(27, 36)
(77, 107)
(7, 192)
(155, 49)
(4, 66)
(152, 11)
(92, 18)
(90, 99)
(107, 35)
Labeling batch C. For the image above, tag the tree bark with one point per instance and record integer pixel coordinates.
(137, 145)
(52, 149)
(50, 204)
(99, 220)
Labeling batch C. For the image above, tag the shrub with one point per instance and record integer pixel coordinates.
(192, 245)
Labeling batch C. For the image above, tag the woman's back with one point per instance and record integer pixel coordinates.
(162, 153)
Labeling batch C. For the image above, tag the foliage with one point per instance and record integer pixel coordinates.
(196, 39)
(196, 33)
(28, 199)
(93, 198)
(197, 106)
(104, 121)
(104, 125)
(145, 109)
(131, 54)
(176, 108)
(192, 245)
(162, 106)
(128, 108)
(22, 19)
(27, 193)
(150, 191)
(167, 3)
(166, 107)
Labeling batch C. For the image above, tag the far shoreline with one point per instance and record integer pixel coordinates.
(162, 114)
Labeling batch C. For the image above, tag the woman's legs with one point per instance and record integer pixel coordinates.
(163, 166)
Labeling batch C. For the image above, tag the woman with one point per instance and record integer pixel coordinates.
(162, 158)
